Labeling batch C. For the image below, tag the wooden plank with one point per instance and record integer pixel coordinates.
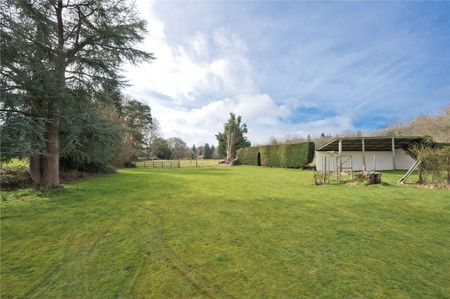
(408, 173)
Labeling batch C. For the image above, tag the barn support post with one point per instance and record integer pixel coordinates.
(339, 162)
(393, 153)
(363, 154)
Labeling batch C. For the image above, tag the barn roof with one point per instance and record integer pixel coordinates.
(370, 143)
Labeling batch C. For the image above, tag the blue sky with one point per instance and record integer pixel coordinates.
(292, 68)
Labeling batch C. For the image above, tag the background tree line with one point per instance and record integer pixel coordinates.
(176, 149)
(206, 152)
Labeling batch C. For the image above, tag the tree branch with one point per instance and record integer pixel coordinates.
(16, 111)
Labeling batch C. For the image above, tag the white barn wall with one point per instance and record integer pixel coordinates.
(383, 160)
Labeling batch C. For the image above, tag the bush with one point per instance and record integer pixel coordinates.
(295, 155)
(435, 166)
(129, 164)
(67, 164)
(15, 177)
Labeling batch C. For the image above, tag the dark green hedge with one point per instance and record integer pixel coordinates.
(295, 155)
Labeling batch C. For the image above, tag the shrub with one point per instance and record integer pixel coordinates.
(296, 155)
(67, 164)
(15, 177)
(129, 164)
(435, 166)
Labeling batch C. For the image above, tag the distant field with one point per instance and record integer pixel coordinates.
(173, 163)
(225, 232)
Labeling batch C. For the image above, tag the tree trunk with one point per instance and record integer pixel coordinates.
(50, 159)
(44, 167)
(420, 174)
(35, 170)
(230, 145)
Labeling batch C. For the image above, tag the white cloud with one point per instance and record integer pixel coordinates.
(229, 41)
(192, 88)
(186, 78)
(185, 75)
(200, 44)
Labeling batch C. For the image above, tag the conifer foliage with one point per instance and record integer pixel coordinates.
(59, 57)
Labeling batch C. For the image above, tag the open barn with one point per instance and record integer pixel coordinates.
(367, 153)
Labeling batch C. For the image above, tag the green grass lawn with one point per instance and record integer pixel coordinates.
(225, 232)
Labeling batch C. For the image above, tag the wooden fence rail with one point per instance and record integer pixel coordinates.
(162, 164)
(177, 163)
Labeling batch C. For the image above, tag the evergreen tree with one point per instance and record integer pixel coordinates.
(138, 119)
(213, 152)
(50, 48)
(206, 151)
(194, 152)
(90, 138)
(233, 137)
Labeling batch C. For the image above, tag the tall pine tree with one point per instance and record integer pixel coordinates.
(49, 48)
(206, 151)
